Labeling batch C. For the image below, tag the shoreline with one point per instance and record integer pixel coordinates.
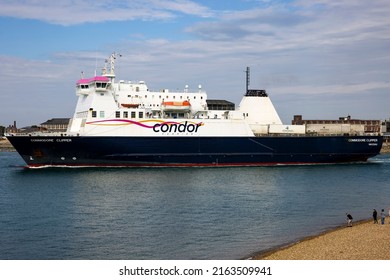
(5, 146)
(364, 241)
(385, 148)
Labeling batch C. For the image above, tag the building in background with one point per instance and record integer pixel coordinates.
(386, 131)
(56, 124)
(52, 125)
(344, 125)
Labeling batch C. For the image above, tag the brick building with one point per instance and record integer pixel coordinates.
(342, 125)
(56, 124)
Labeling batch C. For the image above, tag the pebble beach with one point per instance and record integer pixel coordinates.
(363, 241)
(5, 146)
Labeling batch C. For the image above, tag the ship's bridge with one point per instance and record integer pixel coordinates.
(95, 84)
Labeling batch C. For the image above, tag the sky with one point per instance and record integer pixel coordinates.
(322, 59)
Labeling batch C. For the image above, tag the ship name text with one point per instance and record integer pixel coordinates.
(365, 140)
(51, 140)
(184, 127)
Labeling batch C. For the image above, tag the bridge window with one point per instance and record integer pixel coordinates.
(101, 85)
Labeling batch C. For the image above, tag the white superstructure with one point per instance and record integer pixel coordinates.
(107, 107)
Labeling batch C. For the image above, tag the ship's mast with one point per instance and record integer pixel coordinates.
(111, 61)
(253, 92)
(247, 79)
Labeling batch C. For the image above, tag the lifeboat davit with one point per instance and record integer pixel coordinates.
(176, 105)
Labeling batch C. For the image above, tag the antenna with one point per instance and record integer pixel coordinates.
(110, 72)
(95, 64)
(112, 62)
(247, 78)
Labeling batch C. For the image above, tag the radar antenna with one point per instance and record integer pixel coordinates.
(111, 61)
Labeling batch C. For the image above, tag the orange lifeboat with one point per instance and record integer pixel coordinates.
(130, 105)
(176, 105)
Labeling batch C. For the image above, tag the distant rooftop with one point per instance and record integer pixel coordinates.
(56, 121)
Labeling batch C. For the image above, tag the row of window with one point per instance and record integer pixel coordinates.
(125, 115)
(168, 97)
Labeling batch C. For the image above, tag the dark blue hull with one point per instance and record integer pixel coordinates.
(38, 151)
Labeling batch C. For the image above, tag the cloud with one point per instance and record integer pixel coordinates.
(71, 12)
(336, 89)
(34, 89)
(300, 23)
(320, 42)
(331, 55)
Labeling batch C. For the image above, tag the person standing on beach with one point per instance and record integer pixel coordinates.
(349, 218)
(375, 216)
(383, 217)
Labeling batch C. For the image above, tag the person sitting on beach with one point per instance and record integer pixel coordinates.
(349, 216)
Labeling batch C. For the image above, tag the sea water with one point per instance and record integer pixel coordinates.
(178, 213)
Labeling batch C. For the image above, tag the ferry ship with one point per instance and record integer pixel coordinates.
(124, 124)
